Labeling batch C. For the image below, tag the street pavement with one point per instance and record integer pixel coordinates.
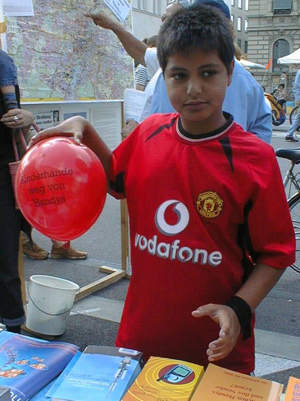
(277, 318)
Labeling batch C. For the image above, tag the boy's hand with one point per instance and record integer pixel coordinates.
(229, 329)
(102, 20)
(73, 127)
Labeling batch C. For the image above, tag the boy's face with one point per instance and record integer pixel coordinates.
(196, 83)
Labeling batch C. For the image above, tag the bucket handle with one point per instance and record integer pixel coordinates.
(47, 313)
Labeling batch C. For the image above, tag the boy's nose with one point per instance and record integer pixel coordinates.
(194, 87)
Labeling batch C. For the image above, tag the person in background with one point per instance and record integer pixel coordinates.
(280, 94)
(244, 97)
(205, 246)
(142, 76)
(11, 220)
(296, 124)
(59, 249)
(14, 117)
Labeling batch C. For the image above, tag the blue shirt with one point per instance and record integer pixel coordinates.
(296, 87)
(244, 99)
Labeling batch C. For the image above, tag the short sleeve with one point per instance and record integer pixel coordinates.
(120, 160)
(8, 70)
(151, 61)
(269, 221)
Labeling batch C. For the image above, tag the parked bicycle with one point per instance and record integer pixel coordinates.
(291, 183)
(277, 109)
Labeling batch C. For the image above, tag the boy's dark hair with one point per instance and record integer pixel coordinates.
(196, 27)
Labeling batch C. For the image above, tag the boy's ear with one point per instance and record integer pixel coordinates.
(230, 73)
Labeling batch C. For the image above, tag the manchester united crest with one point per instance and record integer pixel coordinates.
(209, 204)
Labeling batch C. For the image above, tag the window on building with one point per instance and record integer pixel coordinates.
(232, 2)
(246, 46)
(232, 19)
(239, 23)
(246, 25)
(282, 6)
(136, 4)
(144, 5)
(239, 42)
(154, 7)
(281, 48)
(157, 7)
(239, 3)
(246, 5)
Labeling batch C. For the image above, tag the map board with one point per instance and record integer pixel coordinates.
(62, 55)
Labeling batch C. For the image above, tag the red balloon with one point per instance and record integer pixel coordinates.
(60, 188)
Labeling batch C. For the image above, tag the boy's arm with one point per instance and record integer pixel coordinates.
(82, 131)
(133, 46)
(259, 283)
(253, 291)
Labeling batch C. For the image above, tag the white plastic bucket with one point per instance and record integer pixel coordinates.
(50, 300)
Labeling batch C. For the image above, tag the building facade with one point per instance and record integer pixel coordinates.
(239, 19)
(273, 32)
(146, 17)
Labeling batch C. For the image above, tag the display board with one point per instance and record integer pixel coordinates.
(106, 116)
(63, 55)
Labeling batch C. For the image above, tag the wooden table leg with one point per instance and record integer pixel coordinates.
(21, 271)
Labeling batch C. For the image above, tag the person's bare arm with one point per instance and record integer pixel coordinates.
(133, 46)
(18, 118)
(82, 131)
(140, 87)
(253, 291)
(14, 117)
(259, 283)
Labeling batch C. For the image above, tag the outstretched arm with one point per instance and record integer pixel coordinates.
(82, 131)
(133, 46)
(259, 283)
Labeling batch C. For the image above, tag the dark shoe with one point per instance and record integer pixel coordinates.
(61, 252)
(291, 139)
(33, 251)
(14, 329)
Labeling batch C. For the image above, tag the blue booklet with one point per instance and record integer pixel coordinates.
(101, 373)
(46, 392)
(28, 364)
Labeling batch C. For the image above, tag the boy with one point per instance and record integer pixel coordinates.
(197, 189)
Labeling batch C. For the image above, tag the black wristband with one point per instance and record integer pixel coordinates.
(244, 314)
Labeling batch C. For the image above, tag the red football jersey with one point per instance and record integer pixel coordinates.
(194, 202)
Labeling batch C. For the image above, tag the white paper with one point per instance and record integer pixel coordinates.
(120, 8)
(18, 8)
(107, 122)
(134, 101)
(47, 118)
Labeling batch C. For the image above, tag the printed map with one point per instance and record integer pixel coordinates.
(61, 55)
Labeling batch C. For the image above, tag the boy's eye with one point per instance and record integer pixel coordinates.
(178, 75)
(208, 73)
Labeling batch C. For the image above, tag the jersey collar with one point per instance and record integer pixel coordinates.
(209, 135)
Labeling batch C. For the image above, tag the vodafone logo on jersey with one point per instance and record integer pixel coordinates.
(182, 214)
(174, 250)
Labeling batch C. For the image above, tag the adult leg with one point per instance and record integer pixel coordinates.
(11, 305)
(290, 136)
(31, 249)
(63, 250)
